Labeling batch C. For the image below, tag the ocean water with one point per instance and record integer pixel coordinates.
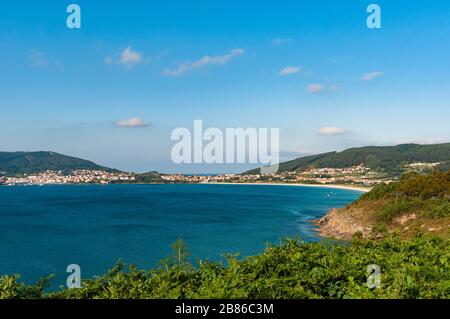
(44, 229)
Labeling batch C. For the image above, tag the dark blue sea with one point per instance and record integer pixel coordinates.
(43, 229)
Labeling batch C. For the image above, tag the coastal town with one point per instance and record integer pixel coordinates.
(358, 175)
(76, 177)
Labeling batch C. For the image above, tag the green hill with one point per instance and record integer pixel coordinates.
(415, 203)
(390, 159)
(12, 163)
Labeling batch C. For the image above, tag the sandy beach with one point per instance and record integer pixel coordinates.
(348, 187)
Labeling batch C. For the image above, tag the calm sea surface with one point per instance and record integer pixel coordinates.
(44, 229)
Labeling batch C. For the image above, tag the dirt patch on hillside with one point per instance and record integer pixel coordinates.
(360, 217)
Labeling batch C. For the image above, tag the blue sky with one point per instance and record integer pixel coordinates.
(311, 68)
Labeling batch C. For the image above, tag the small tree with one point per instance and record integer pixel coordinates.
(180, 251)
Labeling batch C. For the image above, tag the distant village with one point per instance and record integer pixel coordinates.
(76, 177)
(355, 175)
(358, 175)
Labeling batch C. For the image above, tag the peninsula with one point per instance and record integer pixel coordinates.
(415, 204)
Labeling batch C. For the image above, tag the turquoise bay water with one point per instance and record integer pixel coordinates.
(44, 229)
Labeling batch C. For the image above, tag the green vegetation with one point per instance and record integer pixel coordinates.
(148, 178)
(392, 209)
(424, 195)
(416, 202)
(12, 163)
(418, 268)
(388, 159)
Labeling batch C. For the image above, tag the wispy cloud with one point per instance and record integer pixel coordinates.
(289, 70)
(205, 61)
(133, 122)
(280, 41)
(127, 57)
(38, 59)
(372, 75)
(130, 57)
(319, 88)
(315, 88)
(330, 130)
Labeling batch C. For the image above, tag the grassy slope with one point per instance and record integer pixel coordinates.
(415, 203)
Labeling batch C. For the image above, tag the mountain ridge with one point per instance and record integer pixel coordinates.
(39, 161)
(390, 159)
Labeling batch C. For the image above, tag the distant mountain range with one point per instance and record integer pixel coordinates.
(35, 162)
(390, 159)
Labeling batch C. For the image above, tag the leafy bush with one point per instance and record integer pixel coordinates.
(436, 208)
(380, 229)
(10, 288)
(378, 192)
(419, 268)
(425, 195)
(394, 209)
(425, 186)
(415, 185)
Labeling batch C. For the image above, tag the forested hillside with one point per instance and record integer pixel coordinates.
(36, 162)
(390, 159)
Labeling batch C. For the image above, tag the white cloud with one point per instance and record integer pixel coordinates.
(315, 88)
(289, 70)
(329, 130)
(130, 57)
(38, 59)
(131, 123)
(127, 57)
(372, 75)
(203, 62)
(280, 41)
(319, 88)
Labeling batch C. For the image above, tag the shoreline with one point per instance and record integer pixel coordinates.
(334, 225)
(329, 225)
(333, 186)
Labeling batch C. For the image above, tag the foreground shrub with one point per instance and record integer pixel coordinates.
(418, 268)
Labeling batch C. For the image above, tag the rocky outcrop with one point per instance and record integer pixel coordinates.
(340, 224)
